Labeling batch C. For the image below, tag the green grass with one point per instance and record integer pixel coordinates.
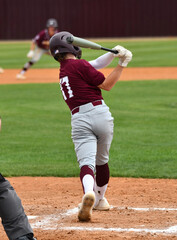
(35, 137)
(146, 53)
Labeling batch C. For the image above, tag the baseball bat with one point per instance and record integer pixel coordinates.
(80, 42)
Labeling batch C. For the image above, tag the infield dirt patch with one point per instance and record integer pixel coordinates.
(51, 75)
(141, 209)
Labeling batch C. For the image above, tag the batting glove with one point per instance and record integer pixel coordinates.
(124, 55)
(30, 54)
(121, 51)
(123, 61)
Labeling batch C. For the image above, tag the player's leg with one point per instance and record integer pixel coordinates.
(103, 128)
(85, 147)
(38, 52)
(14, 219)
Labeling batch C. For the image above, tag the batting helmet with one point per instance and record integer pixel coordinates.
(52, 23)
(58, 44)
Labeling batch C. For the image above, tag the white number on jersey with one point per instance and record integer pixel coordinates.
(65, 82)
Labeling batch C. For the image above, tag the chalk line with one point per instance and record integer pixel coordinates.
(170, 230)
(145, 209)
(51, 222)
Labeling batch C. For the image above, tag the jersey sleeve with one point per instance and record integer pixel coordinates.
(90, 74)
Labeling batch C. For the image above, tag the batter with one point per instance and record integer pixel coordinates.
(39, 46)
(91, 120)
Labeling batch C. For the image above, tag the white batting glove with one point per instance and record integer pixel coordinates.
(124, 55)
(123, 61)
(121, 51)
(30, 54)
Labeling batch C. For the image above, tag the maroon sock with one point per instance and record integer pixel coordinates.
(102, 175)
(84, 171)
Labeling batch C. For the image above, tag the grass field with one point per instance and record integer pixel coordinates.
(146, 53)
(35, 138)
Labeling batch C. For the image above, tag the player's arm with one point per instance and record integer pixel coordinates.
(32, 46)
(30, 54)
(102, 61)
(125, 56)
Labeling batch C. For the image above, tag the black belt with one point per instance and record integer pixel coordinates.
(95, 103)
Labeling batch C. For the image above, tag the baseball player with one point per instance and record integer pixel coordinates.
(14, 219)
(1, 70)
(91, 120)
(39, 46)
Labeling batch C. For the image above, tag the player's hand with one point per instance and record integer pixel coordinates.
(125, 56)
(30, 54)
(121, 51)
(123, 61)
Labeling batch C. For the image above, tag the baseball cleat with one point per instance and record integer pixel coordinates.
(20, 76)
(85, 210)
(1, 70)
(102, 205)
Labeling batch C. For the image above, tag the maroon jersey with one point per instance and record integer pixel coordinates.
(79, 81)
(42, 36)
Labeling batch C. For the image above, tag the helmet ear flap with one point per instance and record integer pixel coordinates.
(79, 52)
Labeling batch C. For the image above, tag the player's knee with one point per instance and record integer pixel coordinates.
(87, 162)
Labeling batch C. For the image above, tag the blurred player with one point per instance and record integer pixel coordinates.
(1, 70)
(91, 120)
(14, 219)
(39, 45)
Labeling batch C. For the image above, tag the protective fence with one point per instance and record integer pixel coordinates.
(22, 19)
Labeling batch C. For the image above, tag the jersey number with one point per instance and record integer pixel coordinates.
(65, 82)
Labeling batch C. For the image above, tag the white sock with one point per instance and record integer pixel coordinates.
(22, 72)
(99, 192)
(88, 183)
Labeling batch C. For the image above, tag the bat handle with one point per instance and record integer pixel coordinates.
(109, 50)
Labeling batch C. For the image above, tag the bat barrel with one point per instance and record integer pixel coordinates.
(75, 41)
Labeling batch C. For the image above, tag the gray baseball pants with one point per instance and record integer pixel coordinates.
(14, 219)
(92, 134)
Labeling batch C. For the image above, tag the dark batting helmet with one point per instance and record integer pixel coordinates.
(52, 23)
(59, 44)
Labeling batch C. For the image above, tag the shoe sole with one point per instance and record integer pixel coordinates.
(20, 77)
(85, 211)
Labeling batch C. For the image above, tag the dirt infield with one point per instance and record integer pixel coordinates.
(140, 209)
(51, 75)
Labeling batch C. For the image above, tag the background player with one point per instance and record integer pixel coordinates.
(91, 120)
(14, 219)
(39, 45)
